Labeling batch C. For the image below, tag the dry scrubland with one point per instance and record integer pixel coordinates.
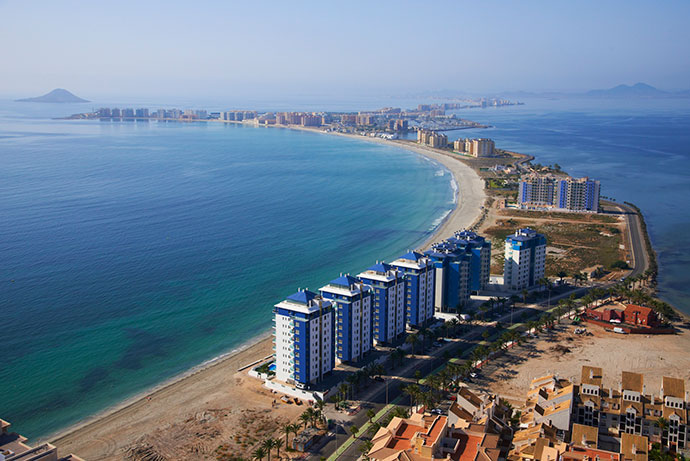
(575, 241)
(563, 353)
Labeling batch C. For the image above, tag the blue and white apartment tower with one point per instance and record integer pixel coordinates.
(525, 259)
(479, 250)
(303, 339)
(451, 276)
(388, 319)
(352, 303)
(419, 287)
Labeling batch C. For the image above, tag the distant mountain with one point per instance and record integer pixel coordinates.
(58, 95)
(638, 89)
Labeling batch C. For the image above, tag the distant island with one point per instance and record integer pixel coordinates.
(58, 95)
(638, 89)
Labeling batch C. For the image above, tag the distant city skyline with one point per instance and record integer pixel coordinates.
(164, 49)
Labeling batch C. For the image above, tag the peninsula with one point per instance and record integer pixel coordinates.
(57, 96)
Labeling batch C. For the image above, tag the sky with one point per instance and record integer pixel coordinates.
(230, 48)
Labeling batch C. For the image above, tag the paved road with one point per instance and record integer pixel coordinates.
(375, 397)
(639, 251)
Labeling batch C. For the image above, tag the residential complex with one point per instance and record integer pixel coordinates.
(525, 259)
(482, 147)
(461, 265)
(563, 420)
(475, 429)
(303, 335)
(538, 191)
(13, 447)
(451, 276)
(419, 287)
(388, 315)
(479, 250)
(432, 139)
(352, 304)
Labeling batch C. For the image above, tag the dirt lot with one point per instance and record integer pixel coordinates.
(563, 353)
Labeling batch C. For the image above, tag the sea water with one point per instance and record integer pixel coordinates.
(133, 251)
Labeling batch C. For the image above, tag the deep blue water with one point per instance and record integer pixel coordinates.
(132, 252)
(639, 149)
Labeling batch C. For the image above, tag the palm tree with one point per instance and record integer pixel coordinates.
(354, 429)
(305, 418)
(287, 429)
(524, 293)
(268, 445)
(366, 447)
(424, 332)
(259, 453)
(561, 275)
(412, 340)
(370, 414)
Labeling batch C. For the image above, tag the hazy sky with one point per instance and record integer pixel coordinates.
(205, 48)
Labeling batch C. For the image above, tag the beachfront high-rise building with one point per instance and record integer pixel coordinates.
(537, 191)
(482, 147)
(525, 259)
(388, 317)
(352, 303)
(303, 338)
(451, 276)
(432, 139)
(419, 287)
(479, 250)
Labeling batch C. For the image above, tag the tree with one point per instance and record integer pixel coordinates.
(370, 414)
(417, 375)
(412, 340)
(561, 275)
(268, 445)
(366, 447)
(354, 429)
(259, 453)
(287, 429)
(305, 418)
(524, 295)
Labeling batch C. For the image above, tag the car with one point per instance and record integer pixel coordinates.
(437, 344)
(379, 379)
(436, 411)
(473, 375)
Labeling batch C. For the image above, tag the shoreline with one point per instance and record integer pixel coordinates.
(469, 197)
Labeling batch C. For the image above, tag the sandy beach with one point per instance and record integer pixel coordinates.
(192, 415)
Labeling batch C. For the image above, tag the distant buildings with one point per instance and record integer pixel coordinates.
(538, 191)
(419, 287)
(352, 303)
(481, 147)
(525, 259)
(432, 139)
(298, 118)
(388, 320)
(303, 335)
(13, 447)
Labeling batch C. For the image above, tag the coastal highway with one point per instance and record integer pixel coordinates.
(635, 236)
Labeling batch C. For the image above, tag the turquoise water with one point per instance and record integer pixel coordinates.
(132, 252)
(639, 149)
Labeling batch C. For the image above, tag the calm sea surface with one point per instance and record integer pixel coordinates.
(132, 252)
